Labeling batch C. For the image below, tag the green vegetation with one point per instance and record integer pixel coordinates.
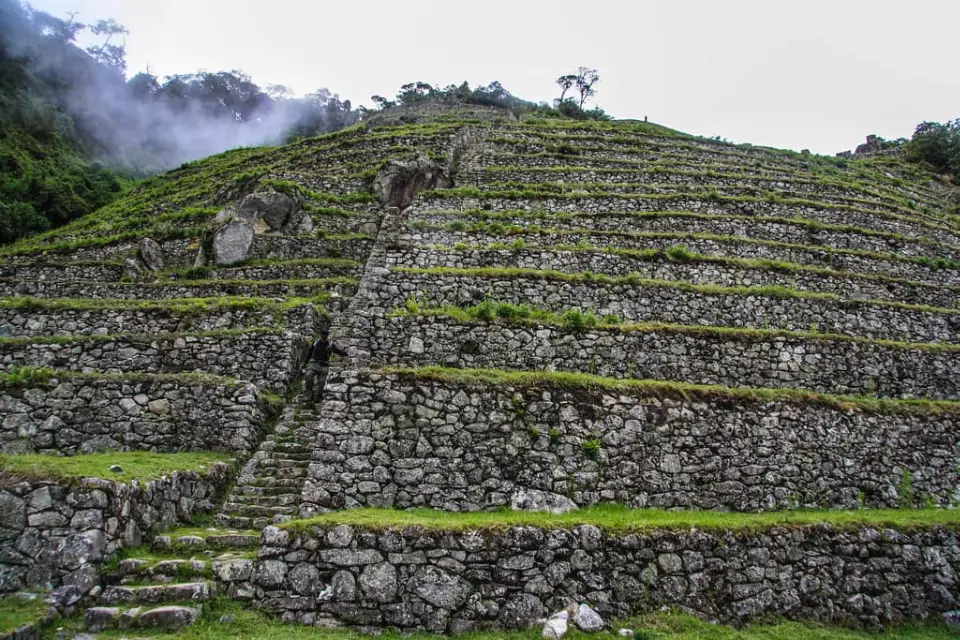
(178, 306)
(19, 610)
(490, 311)
(142, 466)
(616, 518)
(143, 338)
(678, 390)
(33, 377)
(634, 280)
(937, 145)
(499, 229)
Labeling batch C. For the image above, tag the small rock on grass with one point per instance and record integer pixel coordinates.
(586, 618)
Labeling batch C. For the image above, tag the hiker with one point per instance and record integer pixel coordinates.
(318, 363)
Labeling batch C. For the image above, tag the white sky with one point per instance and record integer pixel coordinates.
(809, 74)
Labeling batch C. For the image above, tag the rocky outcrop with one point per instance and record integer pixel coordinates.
(232, 242)
(398, 184)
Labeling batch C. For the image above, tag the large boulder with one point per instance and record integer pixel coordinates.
(273, 208)
(151, 254)
(232, 242)
(536, 500)
(400, 181)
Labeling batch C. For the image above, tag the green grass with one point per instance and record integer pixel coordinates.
(180, 306)
(144, 338)
(679, 390)
(31, 376)
(524, 314)
(250, 624)
(16, 612)
(143, 466)
(616, 518)
(635, 280)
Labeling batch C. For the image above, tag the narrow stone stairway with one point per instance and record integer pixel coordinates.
(269, 486)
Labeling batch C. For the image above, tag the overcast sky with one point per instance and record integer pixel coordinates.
(805, 74)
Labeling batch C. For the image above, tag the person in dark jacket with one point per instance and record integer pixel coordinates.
(318, 364)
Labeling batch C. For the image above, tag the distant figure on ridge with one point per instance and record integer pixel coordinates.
(318, 364)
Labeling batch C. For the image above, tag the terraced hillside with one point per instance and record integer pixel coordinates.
(611, 316)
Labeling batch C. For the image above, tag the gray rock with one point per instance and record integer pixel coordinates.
(343, 587)
(168, 618)
(115, 468)
(521, 611)
(379, 582)
(272, 208)
(236, 570)
(270, 573)
(304, 579)
(586, 618)
(535, 500)
(398, 184)
(232, 243)
(99, 619)
(82, 548)
(626, 633)
(439, 588)
(151, 254)
(351, 558)
(555, 627)
(275, 537)
(13, 512)
(84, 579)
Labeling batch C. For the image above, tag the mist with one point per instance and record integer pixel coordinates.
(146, 124)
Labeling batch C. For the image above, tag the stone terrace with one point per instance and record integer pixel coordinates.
(574, 314)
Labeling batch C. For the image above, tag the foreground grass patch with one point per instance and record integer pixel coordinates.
(137, 465)
(248, 624)
(617, 518)
(16, 611)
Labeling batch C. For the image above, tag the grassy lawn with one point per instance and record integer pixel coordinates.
(137, 465)
(251, 625)
(16, 612)
(618, 518)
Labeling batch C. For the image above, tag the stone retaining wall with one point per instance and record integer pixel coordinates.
(54, 533)
(813, 256)
(448, 581)
(164, 291)
(613, 204)
(661, 268)
(294, 247)
(43, 322)
(826, 366)
(404, 441)
(268, 360)
(676, 306)
(83, 414)
(746, 228)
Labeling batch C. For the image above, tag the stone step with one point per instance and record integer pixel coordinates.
(275, 482)
(285, 459)
(165, 571)
(226, 540)
(158, 593)
(253, 490)
(280, 500)
(170, 618)
(252, 510)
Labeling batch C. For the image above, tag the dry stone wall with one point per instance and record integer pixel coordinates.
(613, 204)
(403, 441)
(237, 355)
(818, 257)
(450, 581)
(55, 533)
(168, 291)
(643, 303)
(847, 286)
(84, 414)
(744, 227)
(38, 321)
(827, 366)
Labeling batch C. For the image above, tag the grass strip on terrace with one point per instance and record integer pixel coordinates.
(245, 623)
(20, 609)
(32, 245)
(679, 254)
(532, 194)
(678, 390)
(811, 225)
(33, 377)
(634, 280)
(145, 338)
(313, 282)
(187, 306)
(499, 229)
(142, 466)
(616, 518)
(577, 320)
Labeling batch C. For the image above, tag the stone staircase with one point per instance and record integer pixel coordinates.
(268, 489)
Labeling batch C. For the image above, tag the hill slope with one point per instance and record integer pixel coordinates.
(539, 312)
